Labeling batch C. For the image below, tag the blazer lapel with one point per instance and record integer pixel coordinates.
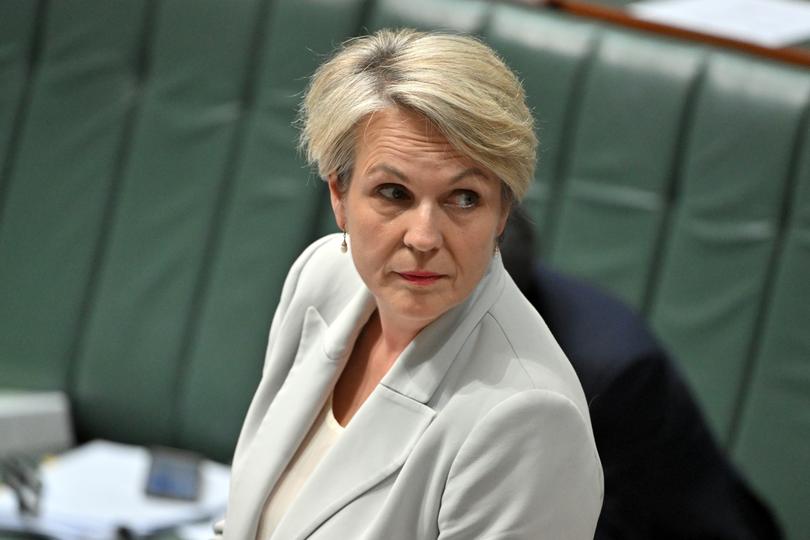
(385, 430)
(423, 364)
(375, 444)
(320, 358)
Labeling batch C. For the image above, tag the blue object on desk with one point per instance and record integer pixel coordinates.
(173, 474)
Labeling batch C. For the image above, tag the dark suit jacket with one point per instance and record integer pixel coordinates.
(665, 478)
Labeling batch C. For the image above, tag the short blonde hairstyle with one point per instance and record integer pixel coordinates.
(455, 81)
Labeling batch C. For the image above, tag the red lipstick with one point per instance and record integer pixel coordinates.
(420, 277)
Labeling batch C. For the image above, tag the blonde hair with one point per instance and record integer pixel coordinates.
(455, 81)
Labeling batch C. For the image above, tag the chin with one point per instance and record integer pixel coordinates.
(420, 310)
(427, 311)
(417, 312)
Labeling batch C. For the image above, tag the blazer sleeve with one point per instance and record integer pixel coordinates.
(529, 469)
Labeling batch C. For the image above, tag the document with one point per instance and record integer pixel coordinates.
(95, 491)
(770, 23)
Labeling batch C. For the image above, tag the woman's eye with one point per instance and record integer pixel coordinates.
(393, 192)
(464, 199)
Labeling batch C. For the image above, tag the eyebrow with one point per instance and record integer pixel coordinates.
(390, 170)
(472, 171)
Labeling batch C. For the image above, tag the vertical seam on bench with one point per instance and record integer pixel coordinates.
(486, 19)
(363, 16)
(91, 287)
(769, 283)
(24, 102)
(673, 190)
(559, 182)
(224, 199)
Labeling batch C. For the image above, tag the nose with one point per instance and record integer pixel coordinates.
(423, 232)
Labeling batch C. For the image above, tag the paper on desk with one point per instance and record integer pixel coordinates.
(92, 491)
(771, 23)
(196, 531)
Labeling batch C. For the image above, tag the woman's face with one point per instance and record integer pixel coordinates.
(422, 218)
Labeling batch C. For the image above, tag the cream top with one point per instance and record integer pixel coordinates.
(321, 438)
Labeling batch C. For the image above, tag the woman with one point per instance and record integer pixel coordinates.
(409, 390)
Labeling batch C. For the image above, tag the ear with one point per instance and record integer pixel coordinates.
(338, 207)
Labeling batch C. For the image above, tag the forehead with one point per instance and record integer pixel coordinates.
(406, 139)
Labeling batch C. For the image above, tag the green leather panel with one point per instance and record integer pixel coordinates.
(721, 239)
(271, 214)
(466, 16)
(16, 34)
(172, 185)
(60, 182)
(550, 53)
(626, 142)
(772, 442)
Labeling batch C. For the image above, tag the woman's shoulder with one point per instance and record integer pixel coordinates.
(322, 274)
(512, 353)
(322, 257)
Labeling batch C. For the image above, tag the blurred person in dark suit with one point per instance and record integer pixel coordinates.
(665, 476)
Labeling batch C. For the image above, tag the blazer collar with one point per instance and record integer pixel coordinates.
(423, 364)
(387, 427)
(396, 412)
(374, 445)
(320, 357)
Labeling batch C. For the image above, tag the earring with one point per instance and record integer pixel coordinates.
(343, 245)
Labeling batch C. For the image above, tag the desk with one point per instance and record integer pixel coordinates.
(616, 12)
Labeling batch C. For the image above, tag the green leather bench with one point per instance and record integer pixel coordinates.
(152, 199)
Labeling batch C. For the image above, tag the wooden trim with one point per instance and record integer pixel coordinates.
(620, 17)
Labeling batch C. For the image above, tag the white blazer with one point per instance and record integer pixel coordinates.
(480, 430)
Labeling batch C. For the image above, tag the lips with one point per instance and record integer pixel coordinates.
(419, 277)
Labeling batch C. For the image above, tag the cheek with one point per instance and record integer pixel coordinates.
(477, 245)
(369, 258)
(362, 220)
(478, 262)
(479, 236)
